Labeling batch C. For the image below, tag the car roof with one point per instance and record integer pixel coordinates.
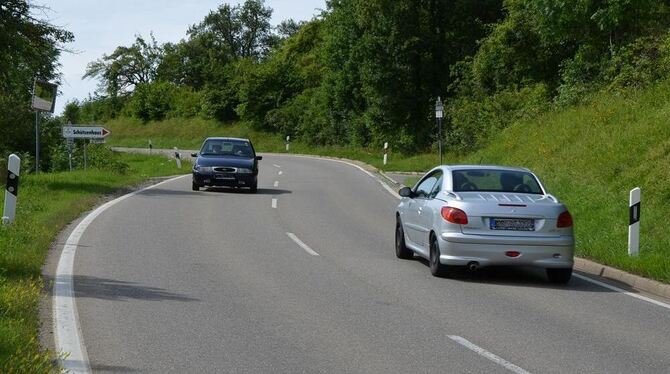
(227, 138)
(482, 167)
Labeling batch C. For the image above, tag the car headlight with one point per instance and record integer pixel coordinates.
(203, 169)
(244, 171)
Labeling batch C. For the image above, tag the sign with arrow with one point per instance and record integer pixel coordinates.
(85, 132)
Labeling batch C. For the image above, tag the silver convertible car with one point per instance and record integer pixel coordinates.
(476, 216)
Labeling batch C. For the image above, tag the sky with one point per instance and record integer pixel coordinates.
(102, 25)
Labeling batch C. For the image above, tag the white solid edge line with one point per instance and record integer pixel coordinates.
(484, 353)
(67, 330)
(301, 244)
(276, 183)
(274, 203)
(617, 289)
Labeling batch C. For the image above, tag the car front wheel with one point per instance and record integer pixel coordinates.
(401, 250)
(195, 186)
(561, 276)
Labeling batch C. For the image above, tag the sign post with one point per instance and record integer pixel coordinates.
(439, 113)
(634, 222)
(70, 145)
(12, 190)
(151, 147)
(87, 133)
(44, 100)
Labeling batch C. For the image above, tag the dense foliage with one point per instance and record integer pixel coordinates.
(29, 49)
(368, 71)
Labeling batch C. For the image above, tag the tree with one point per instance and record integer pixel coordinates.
(127, 67)
(239, 31)
(29, 49)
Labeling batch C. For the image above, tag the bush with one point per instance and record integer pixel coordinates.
(152, 101)
(475, 119)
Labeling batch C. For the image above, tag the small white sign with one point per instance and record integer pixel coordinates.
(85, 132)
(97, 141)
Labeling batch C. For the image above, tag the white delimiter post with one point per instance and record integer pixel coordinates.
(177, 157)
(288, 139)
(12, 190)
(386, 150)
(634, 222)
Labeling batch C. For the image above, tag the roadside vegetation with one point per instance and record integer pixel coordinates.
(46, 204)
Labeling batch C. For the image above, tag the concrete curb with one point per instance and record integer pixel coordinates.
(632, 281)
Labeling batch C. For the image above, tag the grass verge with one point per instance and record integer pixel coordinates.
(46, 204)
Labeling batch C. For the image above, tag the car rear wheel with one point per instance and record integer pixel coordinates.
(401, 250)
(561, 276)
(195, 186)
(437, 268)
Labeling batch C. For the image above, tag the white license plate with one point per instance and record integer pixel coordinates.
(512, 224)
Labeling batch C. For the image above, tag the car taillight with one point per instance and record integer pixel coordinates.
(564, 220)
(454, 215)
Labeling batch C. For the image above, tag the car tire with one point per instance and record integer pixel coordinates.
(254, 187)
(401, 250)
(437, 268)
(195, 186)
(561, 276)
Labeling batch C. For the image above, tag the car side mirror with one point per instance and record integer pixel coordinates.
(405, 192)
(194, 154)
(258, 158)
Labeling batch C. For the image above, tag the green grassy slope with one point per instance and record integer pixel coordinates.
(590, 156)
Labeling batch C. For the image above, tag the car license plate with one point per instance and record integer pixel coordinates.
(513, 224)
(224, 176)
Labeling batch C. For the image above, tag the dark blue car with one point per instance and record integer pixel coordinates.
(230, 162)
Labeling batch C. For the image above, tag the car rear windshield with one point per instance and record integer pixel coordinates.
(493, 180)
(227, 147)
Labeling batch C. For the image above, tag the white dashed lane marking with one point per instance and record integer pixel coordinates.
(301, 244)
(484, 353)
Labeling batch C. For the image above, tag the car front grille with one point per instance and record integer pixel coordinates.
(225, 169)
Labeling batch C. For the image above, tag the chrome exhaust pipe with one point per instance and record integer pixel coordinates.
(473, 265)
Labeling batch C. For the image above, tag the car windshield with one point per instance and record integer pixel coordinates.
(227, 147)
(494, 180)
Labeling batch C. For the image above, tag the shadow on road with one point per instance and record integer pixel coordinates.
(108, 289)
(260, 191)
(100, 368)
(520, 277)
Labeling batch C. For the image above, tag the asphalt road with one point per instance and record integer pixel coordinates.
(176, 281)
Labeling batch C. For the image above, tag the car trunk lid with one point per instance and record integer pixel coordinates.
(515, 214)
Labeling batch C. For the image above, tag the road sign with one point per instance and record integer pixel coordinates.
(98, 141)
(85, 132)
